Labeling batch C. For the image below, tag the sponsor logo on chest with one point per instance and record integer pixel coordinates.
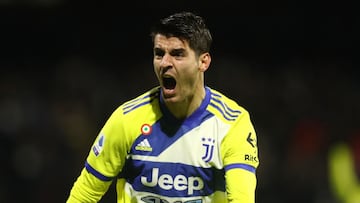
(168, 182)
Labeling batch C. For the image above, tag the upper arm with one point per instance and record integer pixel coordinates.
(240, 157)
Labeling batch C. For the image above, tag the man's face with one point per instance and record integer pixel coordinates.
(177, 68)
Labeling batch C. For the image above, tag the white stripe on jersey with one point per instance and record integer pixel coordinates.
(209, 134)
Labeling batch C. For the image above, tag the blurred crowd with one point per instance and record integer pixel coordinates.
(52, 107)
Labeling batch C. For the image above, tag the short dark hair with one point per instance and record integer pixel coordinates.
(185, 26)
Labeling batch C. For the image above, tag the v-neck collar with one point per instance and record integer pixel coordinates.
(190, 119)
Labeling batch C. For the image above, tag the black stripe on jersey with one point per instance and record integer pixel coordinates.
(136, 103)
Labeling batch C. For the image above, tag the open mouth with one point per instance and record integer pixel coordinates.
(169, 83)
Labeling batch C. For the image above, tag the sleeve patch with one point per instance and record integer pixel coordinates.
(98, 147)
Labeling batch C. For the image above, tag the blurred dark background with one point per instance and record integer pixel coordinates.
(65, 66)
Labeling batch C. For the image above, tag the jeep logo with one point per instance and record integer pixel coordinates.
(167, 182)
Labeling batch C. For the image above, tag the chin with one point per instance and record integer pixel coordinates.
(171, 98)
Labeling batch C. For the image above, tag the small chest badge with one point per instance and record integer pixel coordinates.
(146, 129)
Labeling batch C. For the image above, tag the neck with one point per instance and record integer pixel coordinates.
(185, 108)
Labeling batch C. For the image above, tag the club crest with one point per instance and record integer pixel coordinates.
(208, 144)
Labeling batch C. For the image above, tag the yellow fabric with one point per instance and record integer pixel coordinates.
(240, 186)
(240, 144)
(121, 194)
(343, 178)
(87, 189)
(120, 131)
(112, 156)
(239, 147)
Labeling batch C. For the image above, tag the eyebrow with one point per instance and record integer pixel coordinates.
(176, 50)
(179, 50)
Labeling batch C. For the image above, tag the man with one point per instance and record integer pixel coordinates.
(179, 142)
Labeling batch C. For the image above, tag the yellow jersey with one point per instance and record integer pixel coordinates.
(211, 156)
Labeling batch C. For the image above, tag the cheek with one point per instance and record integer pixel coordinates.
(154, 64)
(192, 71)
(156, 70)
(189, 76)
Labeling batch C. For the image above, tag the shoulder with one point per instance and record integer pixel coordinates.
(133, 113)
(225, 107)
(140, 101)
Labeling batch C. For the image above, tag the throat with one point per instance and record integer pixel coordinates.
(183, 109)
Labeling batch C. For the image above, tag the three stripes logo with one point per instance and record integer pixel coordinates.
(144, 146)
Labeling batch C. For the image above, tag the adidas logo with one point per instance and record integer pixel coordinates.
(144, 146)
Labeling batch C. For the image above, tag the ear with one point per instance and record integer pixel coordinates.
(205, 60)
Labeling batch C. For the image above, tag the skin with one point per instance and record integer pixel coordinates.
(174, 58)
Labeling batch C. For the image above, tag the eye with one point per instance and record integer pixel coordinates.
(178, 53)
(158, 52)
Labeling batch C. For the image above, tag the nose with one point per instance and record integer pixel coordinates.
(166, 61)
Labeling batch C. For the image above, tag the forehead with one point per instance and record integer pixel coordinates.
(163, 42)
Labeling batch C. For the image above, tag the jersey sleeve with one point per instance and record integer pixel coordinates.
(108, 153)
(105, 160)
(240, 157)
(87, 188)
